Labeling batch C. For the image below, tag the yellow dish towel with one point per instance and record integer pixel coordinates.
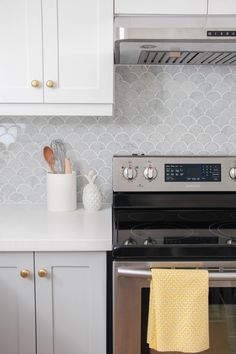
(178, 311)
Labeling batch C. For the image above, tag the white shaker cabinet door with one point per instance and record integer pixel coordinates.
(17, 310)
(78, 51)
(161, 7)
(71, 303)
(222, 7)
(20, 51)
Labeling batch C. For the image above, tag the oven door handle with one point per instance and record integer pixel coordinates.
(141, 273)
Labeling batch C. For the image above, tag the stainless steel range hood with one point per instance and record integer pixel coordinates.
(175, 40)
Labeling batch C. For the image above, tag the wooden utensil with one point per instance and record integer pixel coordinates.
(68, 168)
(48, 155)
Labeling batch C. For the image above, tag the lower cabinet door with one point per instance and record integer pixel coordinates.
(17, 308)
(71, 302)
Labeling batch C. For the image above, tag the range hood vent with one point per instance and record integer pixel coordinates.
(176, 40)
(154, 57)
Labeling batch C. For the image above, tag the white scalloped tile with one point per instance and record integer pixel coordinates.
(159, 110)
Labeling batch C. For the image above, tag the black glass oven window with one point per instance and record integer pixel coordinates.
(222, 320)
(192, 172)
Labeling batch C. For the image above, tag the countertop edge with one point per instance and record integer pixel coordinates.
(25, 228)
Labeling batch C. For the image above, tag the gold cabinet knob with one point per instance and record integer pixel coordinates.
(25, 273)
(35, 83)
(42, 273)
(50, 83)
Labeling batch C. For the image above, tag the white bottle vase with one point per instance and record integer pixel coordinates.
(92, 196)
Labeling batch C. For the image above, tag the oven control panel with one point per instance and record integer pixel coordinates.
(194, 172)
(172, 173)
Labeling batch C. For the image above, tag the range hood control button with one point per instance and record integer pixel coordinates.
(129, 173)
(232, 173)
(150, 173)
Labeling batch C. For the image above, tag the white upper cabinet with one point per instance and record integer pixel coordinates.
(78, 51)
(161, 7)
(222, 7)
(56, 57)
(21, 51)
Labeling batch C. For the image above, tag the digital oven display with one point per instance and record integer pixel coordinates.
(193, 172)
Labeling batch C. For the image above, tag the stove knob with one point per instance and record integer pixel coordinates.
(129, 173)
(149, 242)
(130, 242)
(232, 173)
(150, 173)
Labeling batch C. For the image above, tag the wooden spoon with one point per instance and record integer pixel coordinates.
(48, 155)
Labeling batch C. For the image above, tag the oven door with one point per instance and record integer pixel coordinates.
(131, 303)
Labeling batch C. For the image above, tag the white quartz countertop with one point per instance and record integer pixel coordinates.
(33, 228)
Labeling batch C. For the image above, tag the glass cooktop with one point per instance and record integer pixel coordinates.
(153, 228)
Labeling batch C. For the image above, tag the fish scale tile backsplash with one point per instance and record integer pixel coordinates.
(166, 110)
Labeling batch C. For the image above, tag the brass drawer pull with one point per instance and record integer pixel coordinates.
(50, 84)
(35, 83)
(42, 273)
(25, 273)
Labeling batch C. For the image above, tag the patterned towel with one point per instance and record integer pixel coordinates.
(178, 311)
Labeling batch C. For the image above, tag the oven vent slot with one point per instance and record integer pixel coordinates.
(154, 57)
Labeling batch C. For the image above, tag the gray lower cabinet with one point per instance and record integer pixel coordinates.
(71, 303)
(60, 304)
(17, 305)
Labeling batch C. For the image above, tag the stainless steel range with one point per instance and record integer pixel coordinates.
(173, 212)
